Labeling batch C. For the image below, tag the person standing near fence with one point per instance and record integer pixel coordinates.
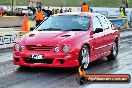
(53, 11)
(123, 13)
(49, 12)
(39, 16)
(61, 10)
(84, 7)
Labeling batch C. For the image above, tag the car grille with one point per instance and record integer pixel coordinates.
(46, 61)
(39, 48)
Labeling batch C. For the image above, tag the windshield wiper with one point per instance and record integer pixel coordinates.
(41, 30)
(74, 30)
(49, 29)
(53, 29)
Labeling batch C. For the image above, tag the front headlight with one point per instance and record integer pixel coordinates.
(17, 47)
(65, 48)
(21, 48)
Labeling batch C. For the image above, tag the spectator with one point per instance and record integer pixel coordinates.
(120, 8)
(123, 13)
(91, 10)
(39, 16)
(70, 10)
(84, 7)
(65, 10)
(61, 10)
(49, 12)
(34, 12)
(53, 11)
(119, 13)
(56, 11)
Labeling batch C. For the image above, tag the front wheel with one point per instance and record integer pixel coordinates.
(5, 14)
(84, 57)
(114, 51)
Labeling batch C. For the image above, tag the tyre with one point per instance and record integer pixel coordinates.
(5, 14)
(114, 51)
(84, 57)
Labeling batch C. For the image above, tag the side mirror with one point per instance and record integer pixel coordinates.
(32, 28)
(97, 30)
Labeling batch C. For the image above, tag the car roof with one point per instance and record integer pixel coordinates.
(88, 14)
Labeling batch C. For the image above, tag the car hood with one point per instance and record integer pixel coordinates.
(49, 37)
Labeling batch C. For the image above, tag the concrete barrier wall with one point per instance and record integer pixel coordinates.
(12, 21)
(8, 39)
(121, 23)
(8, 21)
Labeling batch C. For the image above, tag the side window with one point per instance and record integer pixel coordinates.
(109, 23)
(96, 23)
(103, 22)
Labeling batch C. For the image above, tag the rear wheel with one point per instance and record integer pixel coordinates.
(114, 51)
(84, 57)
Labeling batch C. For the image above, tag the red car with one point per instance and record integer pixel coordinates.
(3, 11)
(68, 40)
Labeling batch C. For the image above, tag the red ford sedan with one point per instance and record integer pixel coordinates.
(68, 40)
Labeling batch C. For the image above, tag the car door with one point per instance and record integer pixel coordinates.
(108, 33)
(98, 39)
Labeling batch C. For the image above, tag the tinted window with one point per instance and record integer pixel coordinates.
(66, 23)
(103, 22)
(96, 23)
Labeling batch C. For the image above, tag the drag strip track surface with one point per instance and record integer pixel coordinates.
(12, 76)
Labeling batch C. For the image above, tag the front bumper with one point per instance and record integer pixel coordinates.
(50, 59)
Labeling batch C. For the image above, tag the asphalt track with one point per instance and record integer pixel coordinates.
(12, 76)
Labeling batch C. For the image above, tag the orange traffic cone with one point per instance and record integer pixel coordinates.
(25, 24)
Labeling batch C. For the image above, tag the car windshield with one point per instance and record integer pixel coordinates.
(65, 23)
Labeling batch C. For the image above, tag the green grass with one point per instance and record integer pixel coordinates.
(94, 3)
